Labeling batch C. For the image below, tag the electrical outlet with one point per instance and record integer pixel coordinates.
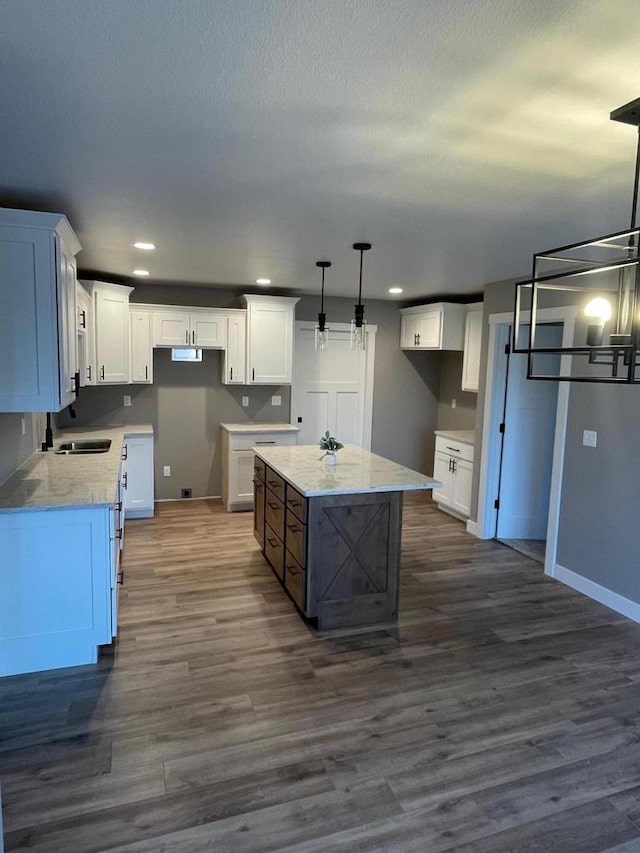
(166, 471)
(276, 400)
(454, 402)
(127, 400)
(589, 438)
(245, 402)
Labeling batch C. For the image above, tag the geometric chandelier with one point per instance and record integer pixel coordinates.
(600, 278)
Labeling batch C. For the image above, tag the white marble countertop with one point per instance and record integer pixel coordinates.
(261, 427)
(466, 436)
(356, 471)
(50, 481)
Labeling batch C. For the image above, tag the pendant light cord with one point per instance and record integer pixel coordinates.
(322, 294)
(360, 284)
(636, 180)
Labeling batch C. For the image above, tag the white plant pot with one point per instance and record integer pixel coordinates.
(330, 457)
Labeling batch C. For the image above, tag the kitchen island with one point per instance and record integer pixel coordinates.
(332, 533)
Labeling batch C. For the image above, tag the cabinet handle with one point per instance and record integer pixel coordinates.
(415, 340)
(118, 506)
(294, 528)
(253, 374)
(272, 542)
(266, 442)
(146, 371)
(273, 482)
(83, 315)
(455, 449)
(186, 337)
(231, 374)
(418, 336)
(193, 336)
(125, 476)
(121, 577)
(119, 533)
(293, 571)
(124, 452)
(272, 505)
(102, 372)
(89, 373)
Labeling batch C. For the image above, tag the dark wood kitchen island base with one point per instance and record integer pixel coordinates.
(336, 554)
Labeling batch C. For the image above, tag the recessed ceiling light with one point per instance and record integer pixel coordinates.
(263, 281)
(395, 290)
(141, 272)
(147, 247)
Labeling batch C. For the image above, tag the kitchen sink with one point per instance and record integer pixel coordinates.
(90, 445)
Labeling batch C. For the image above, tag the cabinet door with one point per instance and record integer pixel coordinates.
(258, 511)
(67, 339)
(85, 337)
(141, 352)
(430, 331)
(471, 358)
(270, 344)
(234, 361)
(208, 330)
(171, 329)
(138, 466)
(442, 471)
(462, 477)
(241, 476)
(409, 331)
(113, 355)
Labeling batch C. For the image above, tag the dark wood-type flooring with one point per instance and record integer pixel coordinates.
(500, 714)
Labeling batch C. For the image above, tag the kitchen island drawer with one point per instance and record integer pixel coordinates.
(259, 468)
(296, 538)
(296, 503)
(274, 514)
(295, 581)
(274, 551)
(275, 483)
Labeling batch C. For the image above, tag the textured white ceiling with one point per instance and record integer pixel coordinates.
(251, 138)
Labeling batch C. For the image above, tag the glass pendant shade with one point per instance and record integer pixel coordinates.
(596, 282)
(321, 330)
(358, 324)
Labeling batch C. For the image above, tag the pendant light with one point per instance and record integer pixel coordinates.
(599, 281)
(322, 332)
(358, 323)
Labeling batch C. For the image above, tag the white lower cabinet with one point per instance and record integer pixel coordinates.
(137, 476)
(238, 442)
(453, 467)
(55, 587)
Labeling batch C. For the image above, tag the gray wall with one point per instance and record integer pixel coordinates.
(16, 448)
(463, 416)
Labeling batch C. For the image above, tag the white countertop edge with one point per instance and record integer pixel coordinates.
(466, 436)
(414, 487)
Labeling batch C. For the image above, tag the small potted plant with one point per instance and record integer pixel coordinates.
(330, 445)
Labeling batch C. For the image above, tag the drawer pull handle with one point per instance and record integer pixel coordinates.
(272, 542)
(274, 483)
(272, 505)
(265, 442)
(294, 528)
(293, 571)
(456, 449)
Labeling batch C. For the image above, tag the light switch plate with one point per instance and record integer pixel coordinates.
(589, 438)
(166, 471)
(276, 400)
(245, 401)
(127, 400)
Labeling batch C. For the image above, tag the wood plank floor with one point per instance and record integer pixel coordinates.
(501, 714)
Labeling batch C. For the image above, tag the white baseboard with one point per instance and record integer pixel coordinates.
(184, 500)
(594, 590)
(473, 529)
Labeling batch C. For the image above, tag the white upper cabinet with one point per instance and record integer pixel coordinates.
(432, 327)
(234, 361)
(472, 343)
(112, 332)
(270, 323)
(37, 311)
(85, 337)
(181, 327)
(141, 350)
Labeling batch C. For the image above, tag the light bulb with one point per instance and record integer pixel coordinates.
(598, 307)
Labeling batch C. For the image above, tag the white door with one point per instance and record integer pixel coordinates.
(527, 454)
(332, 390)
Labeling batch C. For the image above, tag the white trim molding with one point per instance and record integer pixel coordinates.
(591, 589)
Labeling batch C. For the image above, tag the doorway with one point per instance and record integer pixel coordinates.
(333, 390)
(527, 449)
(486, 524)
